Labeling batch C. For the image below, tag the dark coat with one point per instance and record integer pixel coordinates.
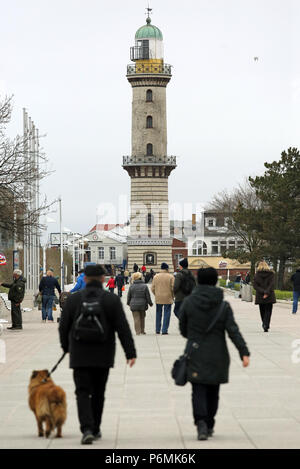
(16, 290)
(96, 355)
(264, 283)
(120, 280)
(138, 297)
(179, 279)
(296, 280)
(48, 285)
(209, 364)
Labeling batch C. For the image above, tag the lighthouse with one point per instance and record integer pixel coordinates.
(149, 165)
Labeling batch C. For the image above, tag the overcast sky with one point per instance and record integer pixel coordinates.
(65, 61)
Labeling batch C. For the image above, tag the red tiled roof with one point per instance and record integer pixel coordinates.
(106, 227)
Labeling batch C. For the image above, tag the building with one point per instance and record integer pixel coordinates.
(179, 251)
(149, 167)
(209, 242)
(107, 245)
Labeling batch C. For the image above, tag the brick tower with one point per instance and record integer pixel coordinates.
(149, 167)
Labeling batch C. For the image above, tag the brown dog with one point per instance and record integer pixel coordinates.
(48, 403)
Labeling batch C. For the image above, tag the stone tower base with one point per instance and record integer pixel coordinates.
(136, 254)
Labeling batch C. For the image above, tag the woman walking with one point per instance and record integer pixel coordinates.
(204, 318)
(264, 283)
(111, 284)
(138, 299)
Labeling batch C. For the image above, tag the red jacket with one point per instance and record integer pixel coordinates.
(144, 268)
(111, 283)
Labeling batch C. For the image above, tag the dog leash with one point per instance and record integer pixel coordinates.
(58, 363)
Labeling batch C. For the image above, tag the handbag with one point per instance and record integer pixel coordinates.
(180, 368)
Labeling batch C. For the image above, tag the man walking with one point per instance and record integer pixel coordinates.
(183, 286)
(296, 287)
(120, 282)
(91, 361)
(16, 296)
(162, 287)
(47, 289)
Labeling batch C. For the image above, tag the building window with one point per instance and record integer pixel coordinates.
(199, 248)
(223, 246)
(112, 254)
(210, 222)
(178, 258)
(101, 254)
(149, 123)
(231, 245)
(149, 96)
(150, 220)
(241, 245)
(149, 149)
(215, 247)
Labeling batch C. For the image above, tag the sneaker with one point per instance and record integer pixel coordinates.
(87, 438)
(210, 432)
(15, 328)
(202, 430)
(98, 435)
(165, 333)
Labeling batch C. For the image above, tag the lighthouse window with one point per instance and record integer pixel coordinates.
(149, 96)
(149, 149)
(150, 220)
(149, 123)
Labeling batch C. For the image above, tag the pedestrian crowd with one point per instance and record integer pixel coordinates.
(92, 316)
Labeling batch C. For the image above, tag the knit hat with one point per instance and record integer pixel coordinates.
(184, 263)
(164, 266)
(94, 271)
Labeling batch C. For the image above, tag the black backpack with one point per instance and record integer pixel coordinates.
(90, 326)
(187, 283)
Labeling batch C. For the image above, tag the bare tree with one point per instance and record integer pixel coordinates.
(244, 212)
(18, 176)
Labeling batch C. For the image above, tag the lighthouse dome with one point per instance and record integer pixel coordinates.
(149, 31)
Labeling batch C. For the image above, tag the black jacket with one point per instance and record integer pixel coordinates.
(48, 285)
(138, 297)
(120, 280)
(16, 290)
(96, 355)
(296, 280)
(264, 283)
(179, 279)
(209, 364)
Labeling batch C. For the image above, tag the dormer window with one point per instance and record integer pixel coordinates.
(210, 222)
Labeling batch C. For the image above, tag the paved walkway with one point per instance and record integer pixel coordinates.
(260, 408)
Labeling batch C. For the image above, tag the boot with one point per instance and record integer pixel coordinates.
(202, 430)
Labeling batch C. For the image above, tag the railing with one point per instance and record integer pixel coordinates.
(149, 160)
(139, 53)
(152, 68)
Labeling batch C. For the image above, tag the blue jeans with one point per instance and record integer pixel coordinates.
(296, 296)
(166, 321)
(47, 305)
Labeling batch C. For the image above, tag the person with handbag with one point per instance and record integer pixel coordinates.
(138, 299)
(204, 319)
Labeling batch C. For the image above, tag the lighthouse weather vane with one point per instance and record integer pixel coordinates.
(149, 11)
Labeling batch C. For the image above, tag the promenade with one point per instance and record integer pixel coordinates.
(259, 408)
